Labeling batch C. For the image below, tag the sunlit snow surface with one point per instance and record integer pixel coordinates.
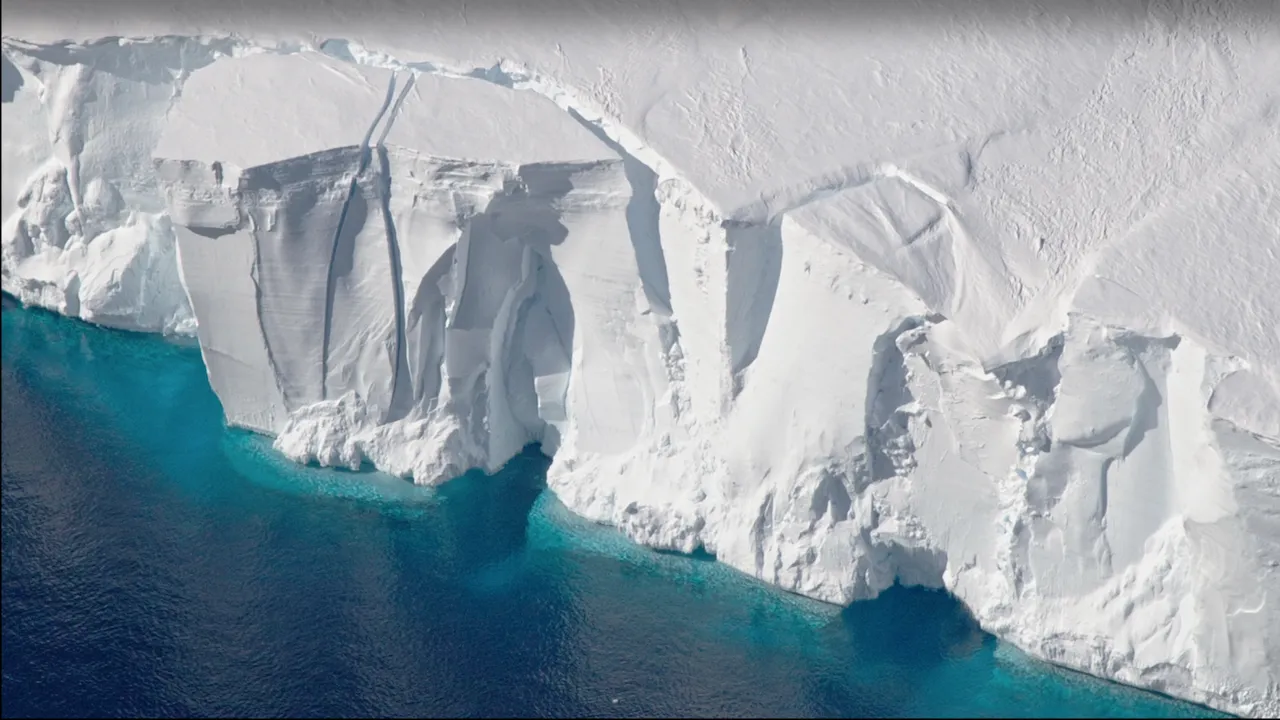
(156, 563)
(966, 295)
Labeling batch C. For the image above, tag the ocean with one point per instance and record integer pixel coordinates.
(157, 563)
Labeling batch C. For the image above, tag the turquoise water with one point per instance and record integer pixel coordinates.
(158, 563)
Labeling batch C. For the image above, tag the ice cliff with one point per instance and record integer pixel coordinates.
(980, 298)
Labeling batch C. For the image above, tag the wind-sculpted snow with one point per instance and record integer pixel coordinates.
(993, 328)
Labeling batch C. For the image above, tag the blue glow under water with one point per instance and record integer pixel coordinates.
(157, 563)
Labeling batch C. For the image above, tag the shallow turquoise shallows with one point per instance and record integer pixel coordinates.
(157, 563)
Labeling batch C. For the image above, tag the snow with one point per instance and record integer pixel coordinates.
(975, 296)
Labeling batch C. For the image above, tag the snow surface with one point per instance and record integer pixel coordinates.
(977, 296)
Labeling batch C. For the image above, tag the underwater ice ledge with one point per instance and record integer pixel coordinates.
(883, 525)
(252, 457)
(723, 608)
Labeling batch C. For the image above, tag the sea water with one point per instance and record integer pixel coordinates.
(156, 562)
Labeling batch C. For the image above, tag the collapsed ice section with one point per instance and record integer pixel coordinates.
(402, 283)
(894, 373)
(85, 227)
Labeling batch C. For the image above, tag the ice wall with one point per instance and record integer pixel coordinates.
(403, 283)
(992, 362)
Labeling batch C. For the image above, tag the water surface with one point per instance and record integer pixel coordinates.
(157, 563)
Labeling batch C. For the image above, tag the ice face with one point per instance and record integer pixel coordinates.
(943, 302)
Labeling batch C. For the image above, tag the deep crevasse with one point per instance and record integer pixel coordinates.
(849, 387)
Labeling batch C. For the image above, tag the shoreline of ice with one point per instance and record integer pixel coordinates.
(830, 390)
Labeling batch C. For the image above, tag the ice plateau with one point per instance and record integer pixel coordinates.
(967, 295)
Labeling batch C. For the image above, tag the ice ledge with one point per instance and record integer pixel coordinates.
(697, 375)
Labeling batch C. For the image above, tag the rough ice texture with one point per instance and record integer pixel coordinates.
(970, 296)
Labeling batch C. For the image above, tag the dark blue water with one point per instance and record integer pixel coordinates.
(156, 563)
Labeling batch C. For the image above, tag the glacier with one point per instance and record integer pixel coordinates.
(971, 296)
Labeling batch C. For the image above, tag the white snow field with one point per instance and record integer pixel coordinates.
(977, 295)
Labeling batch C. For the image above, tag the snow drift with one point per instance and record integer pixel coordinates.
(814, 315)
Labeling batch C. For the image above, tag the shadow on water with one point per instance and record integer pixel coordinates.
(943, 630)
(157, 563)
(699, 554)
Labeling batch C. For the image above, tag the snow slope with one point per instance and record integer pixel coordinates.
(965, 295)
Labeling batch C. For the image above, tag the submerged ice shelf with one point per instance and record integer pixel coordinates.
(990, 350)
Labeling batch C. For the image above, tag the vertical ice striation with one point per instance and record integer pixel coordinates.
(429, 291)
